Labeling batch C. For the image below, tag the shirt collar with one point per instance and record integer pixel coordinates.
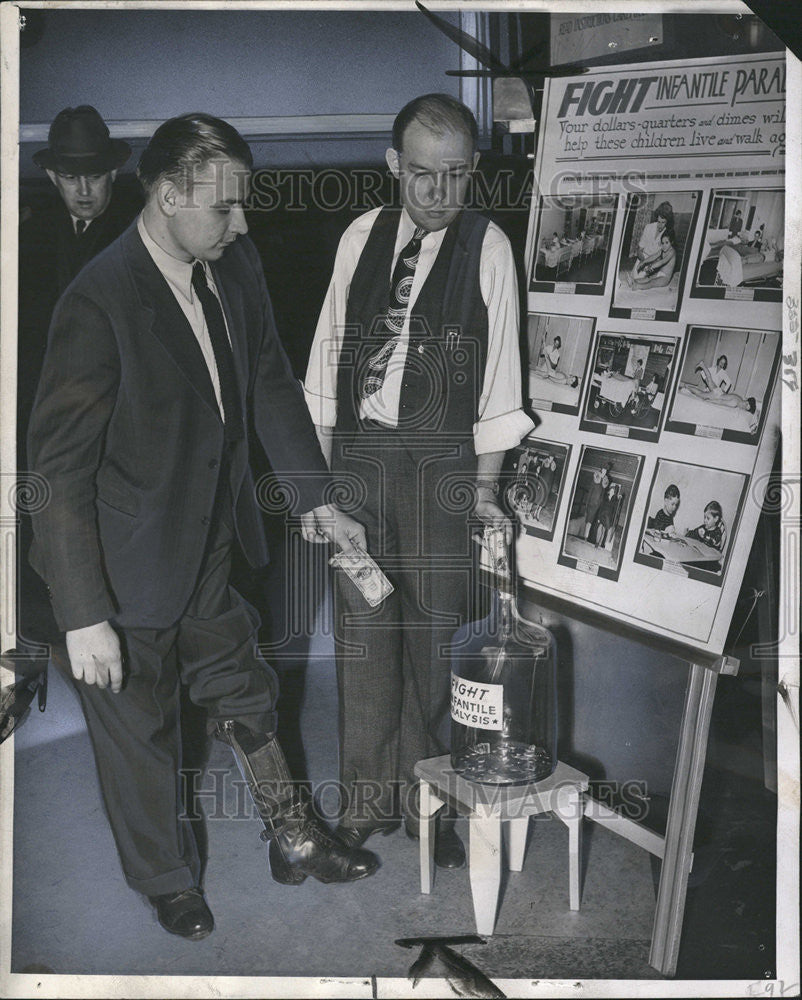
(406, 228)
(177, 272)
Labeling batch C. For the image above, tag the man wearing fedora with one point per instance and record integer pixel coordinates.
(58, 237)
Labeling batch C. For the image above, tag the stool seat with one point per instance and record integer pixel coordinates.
(494, 811)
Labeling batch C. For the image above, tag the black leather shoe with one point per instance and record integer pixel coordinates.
(300, 845)
(184, 913)
(449, 851)
(355, 836)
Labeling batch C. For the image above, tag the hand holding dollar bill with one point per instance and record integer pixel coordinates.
(365, 573)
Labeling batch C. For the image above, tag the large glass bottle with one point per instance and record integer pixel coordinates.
(503, 696)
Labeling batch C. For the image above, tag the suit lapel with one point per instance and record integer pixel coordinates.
(164, 317)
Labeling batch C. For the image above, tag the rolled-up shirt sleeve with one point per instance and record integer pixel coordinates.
(501, 423)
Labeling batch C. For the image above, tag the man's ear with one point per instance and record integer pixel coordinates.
(52, 175)
(113, 175)
(393, 161)
(167, 197)
(476, 156)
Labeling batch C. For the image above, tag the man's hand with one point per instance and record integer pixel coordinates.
(489, 512)
(95, 657)
(329, 524)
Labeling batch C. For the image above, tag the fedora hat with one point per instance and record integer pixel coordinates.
(79, 143)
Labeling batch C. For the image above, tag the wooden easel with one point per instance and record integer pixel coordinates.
(675, 848)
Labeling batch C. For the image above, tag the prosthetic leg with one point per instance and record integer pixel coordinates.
(300, 844)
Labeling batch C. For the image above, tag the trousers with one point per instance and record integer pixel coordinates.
(393, 662)
(136, 733)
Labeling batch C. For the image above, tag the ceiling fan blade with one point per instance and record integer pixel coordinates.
(465, 41)
(536, 50)
(533, 76)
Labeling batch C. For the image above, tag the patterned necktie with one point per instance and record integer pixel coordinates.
(389, 332)
(223, 356)
(80, 227)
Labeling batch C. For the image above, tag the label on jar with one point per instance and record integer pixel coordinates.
(478, 705)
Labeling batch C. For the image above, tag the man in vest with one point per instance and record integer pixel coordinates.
(414, 385)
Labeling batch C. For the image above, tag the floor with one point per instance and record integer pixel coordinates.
(73, 914)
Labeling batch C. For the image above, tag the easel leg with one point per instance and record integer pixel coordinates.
(682, 810)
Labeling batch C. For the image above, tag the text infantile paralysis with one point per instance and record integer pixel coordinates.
(627, 95)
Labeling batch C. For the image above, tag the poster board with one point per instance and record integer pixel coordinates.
(654, 362)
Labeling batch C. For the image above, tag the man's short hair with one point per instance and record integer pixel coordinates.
(185, 144)
(439, 113)
(671, 493)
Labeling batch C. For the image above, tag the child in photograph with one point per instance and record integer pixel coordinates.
(650, 240)
(658, 272)
(663, 520)
(713, 531)
(605, 515)
(595, 495)
(548, 361)
(545, 476)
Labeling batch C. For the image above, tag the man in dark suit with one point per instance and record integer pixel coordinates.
(160, 353)
(62, 233)
(58, 235)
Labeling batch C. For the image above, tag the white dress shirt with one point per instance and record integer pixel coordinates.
(500, 423)
(178, 275)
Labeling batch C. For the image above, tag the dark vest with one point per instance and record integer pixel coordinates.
(447, 351)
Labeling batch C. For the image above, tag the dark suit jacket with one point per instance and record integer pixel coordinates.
(127, 432)
(50, 256)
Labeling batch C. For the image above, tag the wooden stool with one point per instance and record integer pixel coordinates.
(489, 808)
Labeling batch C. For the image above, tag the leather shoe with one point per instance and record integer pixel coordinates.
(300, 845)
(355, 836)
(449, 851)
(184, 913)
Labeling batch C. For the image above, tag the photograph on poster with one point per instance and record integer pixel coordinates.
(741, 254)
(558, 356)
(654, 253)
(628, 379)
(572, 246)
(691, 520)
(536, 484)
(724, 383)
(598, 518)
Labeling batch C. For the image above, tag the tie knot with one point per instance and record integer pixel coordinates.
(80, 226)
(199, 282)
(419, 234)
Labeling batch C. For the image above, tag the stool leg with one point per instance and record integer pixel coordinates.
(485, 870)
(429, 804)
(569, 810)
(515, 831)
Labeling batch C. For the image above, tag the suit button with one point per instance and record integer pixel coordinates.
(213, 463)
(420, 348)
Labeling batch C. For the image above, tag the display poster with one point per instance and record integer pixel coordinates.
(655, 289)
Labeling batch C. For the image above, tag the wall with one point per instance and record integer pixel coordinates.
(150, 65)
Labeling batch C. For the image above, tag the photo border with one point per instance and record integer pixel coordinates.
(738, 437)
(546, 405)
(563, 558)
(572, 287)
(601, 426)
(647, 313)
(720, 292)
(533, 529)
(692, 573)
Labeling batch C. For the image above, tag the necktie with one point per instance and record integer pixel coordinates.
(388, 333)
(224, 359)
(80, 227)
